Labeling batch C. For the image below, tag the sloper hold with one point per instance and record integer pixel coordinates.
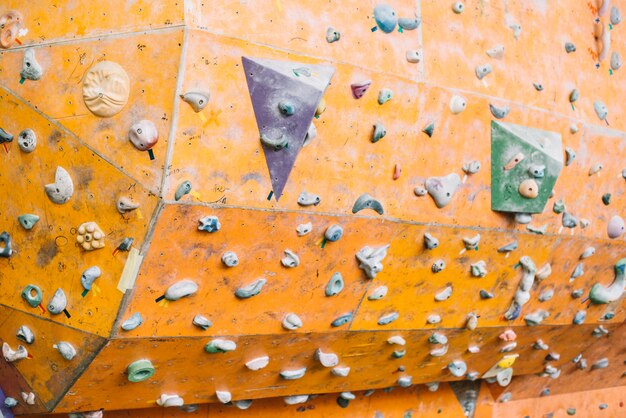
(270, 82)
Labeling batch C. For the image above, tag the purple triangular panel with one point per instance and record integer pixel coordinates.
(270, 82)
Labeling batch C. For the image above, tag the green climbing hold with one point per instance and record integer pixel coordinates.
(27, 220)
(559, 206)
(606, 199)
(429, 129)
(140, 370)
(571, 411)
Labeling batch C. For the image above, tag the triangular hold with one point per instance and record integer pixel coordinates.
(466, 393)
(284, 97)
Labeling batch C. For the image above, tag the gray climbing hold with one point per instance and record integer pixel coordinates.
(209, 224)
(511, 246)
(439, 351)
(196, 99)
(573, 96)
(67, 351)
(570, 47)
(5, 136)
(365, 201)
(335, 285)
(578, 271)
(472, 242)
(181, 289)
(483, 70)
(616, 61)
(385, 18)
(409, 23)
(430, 242)
(523, 218)
(558, 207)
(304, 229)
(290, 260)
(230, 259)
(601, 294)
(457, 368)
(28, 220)
(332, 35)
(308, 199)
(538, 86)
(384, 95)
(62, 189)
(472, 167)
(537, 170)
(133, 322)
(275, 143)
(27, 140)
(497, 52)
(201, 322)
(25, 334)
(442, 189)
(291, 321)
(333, 233)
(429, 129)
(546, 295)
(479, 269)
(600, 331)
(601, 110)
(537, 230)
(580, 317)
(378, 293)
(31, 70)
(89, 276)
(437, 338)
(603, 363)
(251, 289)
(616, 16)
(58, 302)
(457, 104)
(388, 318)
(405, 381)
(124, 204)
(10, 402)
(569, 220)
(485, 294)
(182, 189)
(220, 345)
(444, 294)
(379, 133)
(326, 359)
(438, 266)
(370, 259)
(342, 320)
(536, 318)
(458, 7)
(499, 112)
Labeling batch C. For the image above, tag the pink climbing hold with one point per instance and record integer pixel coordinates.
(616, 227)
(359, 89)
(508, 335)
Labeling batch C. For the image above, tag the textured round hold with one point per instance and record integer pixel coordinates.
(529, 189)
(106, 87)
(27, 140)
(140, 370)
(457, 104)
(143, 135)
(616, 227)
(458, 7)
(385, 17)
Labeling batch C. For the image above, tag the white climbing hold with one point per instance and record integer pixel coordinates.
(340, 371)
(258, 363)
(167, 401)
(223, 396)
(370, 259)
(291, 321)
(326, 359)
(457, 104)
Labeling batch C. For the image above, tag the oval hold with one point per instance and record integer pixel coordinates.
(409, 23)
(181, 289)
(388, 318)
(342, 320)
(291, 321)
(196, 99)
(182, 189)
(335, 285)
(67, 350)
(378, 293)
(293, 374)
(251, 289)
(258, 363)
(229, 259)
(140, 370)
(601, 110)
(89, 276)
(616, 61)
(616, 227)
(497, 52)
(457, 104)
(616, 16)
(458, 7)
(133, 322)
(220, 345)
(444, 294)
(385, 18)
(333, 233)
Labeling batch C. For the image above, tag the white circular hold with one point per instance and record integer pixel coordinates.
(457, 104)
(106, 88)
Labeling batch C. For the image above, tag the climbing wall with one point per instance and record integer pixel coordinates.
(208, 203)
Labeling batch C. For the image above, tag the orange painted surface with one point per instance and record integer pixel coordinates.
(47, 373)
(69, 19)
(172, 47)
(47, 255)
(183, 367)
